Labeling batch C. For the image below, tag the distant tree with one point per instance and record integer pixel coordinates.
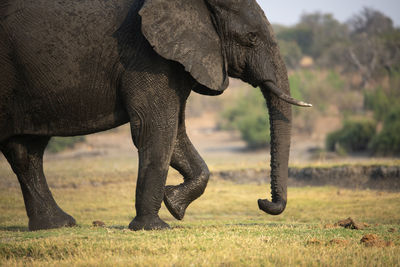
(318, 35)
(249, 116)
(375, 45)
(370, 22)
(291, 53)
(326, 31)
(302, 36)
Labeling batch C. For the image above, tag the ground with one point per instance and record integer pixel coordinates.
(96, 182)
(224, 227)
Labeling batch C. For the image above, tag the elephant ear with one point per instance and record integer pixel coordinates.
(183, 31)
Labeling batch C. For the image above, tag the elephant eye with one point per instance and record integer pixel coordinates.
(252, 37)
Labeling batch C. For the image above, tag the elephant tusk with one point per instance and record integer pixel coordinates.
(276, 91)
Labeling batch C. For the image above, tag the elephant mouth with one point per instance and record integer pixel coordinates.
(281, 95)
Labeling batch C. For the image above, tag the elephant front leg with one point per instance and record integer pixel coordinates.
(155, 144)
(187, 161)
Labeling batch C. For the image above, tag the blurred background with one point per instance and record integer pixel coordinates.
(342, 56)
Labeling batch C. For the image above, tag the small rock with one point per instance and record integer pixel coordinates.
(98, 224)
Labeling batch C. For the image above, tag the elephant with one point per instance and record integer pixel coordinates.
(74, 67)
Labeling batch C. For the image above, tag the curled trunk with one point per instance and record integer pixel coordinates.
(280, 124)
(280, 115)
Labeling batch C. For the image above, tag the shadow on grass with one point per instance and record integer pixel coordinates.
(270, 224)
(249, 224)
(118, 227)
(14, 228)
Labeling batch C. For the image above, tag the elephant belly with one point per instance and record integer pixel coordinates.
(67, 116)
(66, 61)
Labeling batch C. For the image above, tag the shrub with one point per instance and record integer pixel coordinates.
(355, 136)
(249, 115)
(377, 101)
(58, 144)
(291, 53)
(384, 100)
(387, 142)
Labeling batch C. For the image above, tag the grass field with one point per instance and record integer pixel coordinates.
(222, 228)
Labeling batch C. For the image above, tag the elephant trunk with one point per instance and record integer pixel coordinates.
(280, 126)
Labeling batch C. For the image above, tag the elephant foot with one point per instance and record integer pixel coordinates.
(56, 220)
(174, 202)
(148, 222)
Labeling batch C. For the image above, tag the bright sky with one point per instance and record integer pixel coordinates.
(288, 12)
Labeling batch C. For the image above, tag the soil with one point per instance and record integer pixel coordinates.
(349, 223)
(351, 176)
(385, 178)
(372, 240)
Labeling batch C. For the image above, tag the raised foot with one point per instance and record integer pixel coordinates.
(58, 220)
(174, 203)
(148, 222)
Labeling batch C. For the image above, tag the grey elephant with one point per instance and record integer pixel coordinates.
(77, 67)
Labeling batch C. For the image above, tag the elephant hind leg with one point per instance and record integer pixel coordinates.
(25, 155)
(187, 161)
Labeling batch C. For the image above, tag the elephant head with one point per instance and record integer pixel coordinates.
(214, 39)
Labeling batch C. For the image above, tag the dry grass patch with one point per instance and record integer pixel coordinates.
(223, 227)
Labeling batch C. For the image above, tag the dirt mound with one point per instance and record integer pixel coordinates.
(372, 240)
(349, 223)
(98, 224)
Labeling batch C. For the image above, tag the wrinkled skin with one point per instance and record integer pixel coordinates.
(78, 67)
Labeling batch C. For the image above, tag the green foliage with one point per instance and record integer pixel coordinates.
(368, 43)
(291, 53)
(249, 116)
(387, 142)
(377, 101)
(302, 36)
(335, 81)
(317, 87)
(315, 33)
(58, 144)
(325, 32)
(382, 101)
(355, 136)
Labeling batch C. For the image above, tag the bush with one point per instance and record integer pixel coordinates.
(355, 136)
(377, 101)
(387, 142)
(58, 144)
(291, 53)
(249, 115)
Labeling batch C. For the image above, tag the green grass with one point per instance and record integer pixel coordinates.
(222, 228)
